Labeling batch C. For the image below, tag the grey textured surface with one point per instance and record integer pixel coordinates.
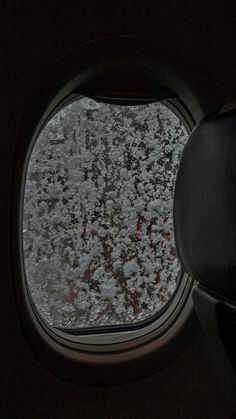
(98, 232)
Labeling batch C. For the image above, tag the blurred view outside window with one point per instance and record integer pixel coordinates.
(97, 227)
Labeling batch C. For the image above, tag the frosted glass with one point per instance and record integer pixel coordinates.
(97, 227)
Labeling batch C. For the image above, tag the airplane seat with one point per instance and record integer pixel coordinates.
(205, 227)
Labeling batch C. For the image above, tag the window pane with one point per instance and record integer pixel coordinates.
(97, 226)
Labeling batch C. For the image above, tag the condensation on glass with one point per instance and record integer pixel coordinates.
(97, 222)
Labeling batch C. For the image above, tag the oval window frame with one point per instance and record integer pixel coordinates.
(114, 359)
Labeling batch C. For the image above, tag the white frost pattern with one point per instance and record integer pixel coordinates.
(97, 231)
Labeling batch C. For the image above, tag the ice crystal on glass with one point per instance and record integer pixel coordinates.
(97, 226)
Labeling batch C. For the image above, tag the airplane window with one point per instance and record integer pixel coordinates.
(97, 222)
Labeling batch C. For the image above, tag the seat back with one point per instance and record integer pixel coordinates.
(205, 204)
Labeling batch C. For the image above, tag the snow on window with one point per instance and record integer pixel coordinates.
(97, 226)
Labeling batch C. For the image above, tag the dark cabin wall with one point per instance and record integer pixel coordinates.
(199, 39)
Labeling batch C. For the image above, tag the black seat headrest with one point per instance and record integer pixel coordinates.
(205, 204)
